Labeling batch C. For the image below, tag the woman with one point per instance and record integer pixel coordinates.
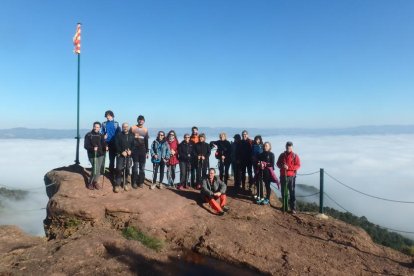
(202, 153)
(173, 160)
(266, 163)
(160, 153)
(185, 155)
(257, 149)
(223, 156)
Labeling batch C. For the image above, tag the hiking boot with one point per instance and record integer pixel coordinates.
(96, 185)
(265, 202)
(127, 187)
(90, 186)
(141, 185)
(221, 213)
(226, 208)
(259, 201)
(152, 187)
(116, 189)
(160, 186)
(179, 187)
(293, 211)
(134, 186)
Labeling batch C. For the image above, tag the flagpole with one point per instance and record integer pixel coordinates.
(77, 124)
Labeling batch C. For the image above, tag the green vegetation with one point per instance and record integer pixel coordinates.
(131, 233)
(72, 222)
(379, 235)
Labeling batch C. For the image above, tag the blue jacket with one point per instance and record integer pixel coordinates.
(160, 148)
(111, 129)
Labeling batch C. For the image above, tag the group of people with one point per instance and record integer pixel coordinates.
(129, 146)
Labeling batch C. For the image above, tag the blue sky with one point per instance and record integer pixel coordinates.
(209, 63)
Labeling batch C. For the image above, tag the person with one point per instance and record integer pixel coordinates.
(194, 135)
(246, 159)
(96, 148)
(288, 163)
(110, 129)
(185, 156)
(160, 152)
(173, 160)
(235, 160)
(139, 152)
(124, 143)
(223, 156)
(257, 148)
(202, 153)
(213, 189)
(265, 163)
(194, 139)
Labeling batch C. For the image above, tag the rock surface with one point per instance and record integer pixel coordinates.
(84, 237)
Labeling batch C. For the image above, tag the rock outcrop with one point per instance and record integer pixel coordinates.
(84, 236)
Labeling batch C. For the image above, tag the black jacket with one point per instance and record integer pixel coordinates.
(124, 142)
(245, 148)
(223, 148)
(203, 149)
(185, 151)
(268, 157)
(93, 139)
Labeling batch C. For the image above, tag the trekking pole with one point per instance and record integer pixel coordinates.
(125, 167)
(93, 168)
(187, 173)
(103, 176)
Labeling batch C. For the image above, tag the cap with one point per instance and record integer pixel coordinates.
(140, 117)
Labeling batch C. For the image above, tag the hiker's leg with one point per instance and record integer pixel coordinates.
(120, 161)
(112, 154)
(223, 200)
(141, 177)
(213, 204)
(162, 168)
(183, 173)
(292, 195)
(99, 162)
(268, 190)
(282, 187)
(155, 171)
(226, 171)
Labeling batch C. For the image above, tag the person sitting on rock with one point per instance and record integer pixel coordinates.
(124, 142)
(96, 146)
(213, 188)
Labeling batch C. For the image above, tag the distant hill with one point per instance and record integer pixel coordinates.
(212, 132)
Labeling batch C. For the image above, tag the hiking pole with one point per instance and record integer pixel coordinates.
(125, 166)
(103, 175)
(93, 168)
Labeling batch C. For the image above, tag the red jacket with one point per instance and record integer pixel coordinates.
(173, 146)
(291, 160)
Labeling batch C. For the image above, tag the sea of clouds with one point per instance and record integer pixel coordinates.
(381, 165)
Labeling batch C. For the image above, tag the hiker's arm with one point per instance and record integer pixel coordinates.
(296, 163)
(280, 162)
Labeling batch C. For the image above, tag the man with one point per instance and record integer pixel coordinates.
(185, 155)
(194, 135)
(95, 145)
(235, 161)
(124, 143)
(110, 129)
(139, 152)
(288, 163)
(213, 189)
(246, 145)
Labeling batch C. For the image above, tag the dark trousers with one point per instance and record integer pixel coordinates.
(171, 174)
(202, 167)
(224, 170)
(263, 179)
(237, 174)
(290, 181)
(193, 170)
(112, 155)
(185, 168)
(138, 169)
(246, 166)
(123, 164)
(161, 167)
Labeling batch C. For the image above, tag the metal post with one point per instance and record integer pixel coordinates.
(321, 173)
(77, 125)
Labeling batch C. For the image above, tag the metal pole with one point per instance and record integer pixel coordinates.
(77, 124)
(321, 173)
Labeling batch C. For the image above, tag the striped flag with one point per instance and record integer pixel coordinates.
(77, 40)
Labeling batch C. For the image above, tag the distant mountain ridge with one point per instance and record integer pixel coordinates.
(44, 133)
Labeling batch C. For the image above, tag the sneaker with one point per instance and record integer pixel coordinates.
(127, 187)
(255, 197)
(152, 187)
(226, 208)
(90, 186)
(265, 201)
(259, 201)
(221, 213)
(116, 189)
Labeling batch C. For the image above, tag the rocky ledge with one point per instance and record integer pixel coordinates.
(87, 231)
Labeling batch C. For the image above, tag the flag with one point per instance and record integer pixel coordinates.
(77, 39)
